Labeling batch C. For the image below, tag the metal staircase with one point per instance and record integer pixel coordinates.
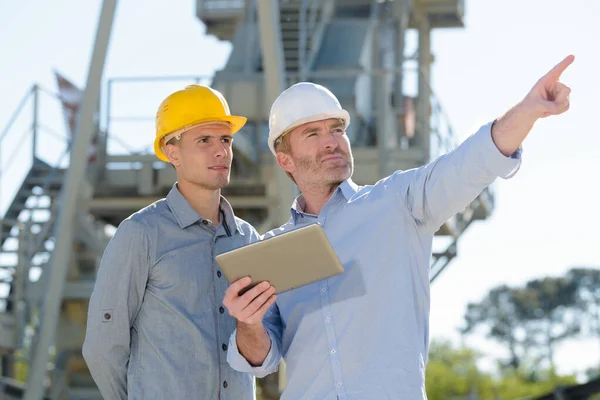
(289, 21)
(27, 242)
(26, 231)
(302, 25)
(315, 35)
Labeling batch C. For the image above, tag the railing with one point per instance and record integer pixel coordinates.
(442, 137)
(218, 5)
(131, 106)
(313, 18)
(129, 113)
(130, 110)
(22, 142)
(13, 276)
(28, 137)
(31, 133)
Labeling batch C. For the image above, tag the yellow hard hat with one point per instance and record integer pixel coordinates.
(194, 105)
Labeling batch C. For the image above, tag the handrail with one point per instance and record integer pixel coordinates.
(16, 113)
(441, 130)
(29, 242)
(111, 86)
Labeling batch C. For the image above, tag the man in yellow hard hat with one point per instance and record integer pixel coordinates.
(156, 325)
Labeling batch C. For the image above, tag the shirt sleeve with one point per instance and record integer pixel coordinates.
(435, 192)
(114, 304)
(272, 323)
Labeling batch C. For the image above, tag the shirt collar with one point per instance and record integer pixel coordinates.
(230, 219)
(347, 188)
(187, 216)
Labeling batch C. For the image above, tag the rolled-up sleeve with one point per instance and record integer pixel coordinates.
(272, 322)
(114, 304)
(437, 191)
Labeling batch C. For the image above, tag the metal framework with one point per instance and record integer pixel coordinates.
(54, 226)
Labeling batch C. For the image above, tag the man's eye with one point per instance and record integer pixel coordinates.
(226, 140)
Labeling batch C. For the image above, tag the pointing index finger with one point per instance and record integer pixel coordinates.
(555, 73)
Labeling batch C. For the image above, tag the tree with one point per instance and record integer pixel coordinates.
(548, 309)
(528, 320)
(498, 314)
(587, 281)
(514, 385)
(453, 373)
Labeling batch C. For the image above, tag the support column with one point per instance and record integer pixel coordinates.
(385, 128)
(423, 136)
(55, 277)
(401, 14)
(275, 82)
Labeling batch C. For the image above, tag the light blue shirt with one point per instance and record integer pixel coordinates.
(365, 333)
(157, 327)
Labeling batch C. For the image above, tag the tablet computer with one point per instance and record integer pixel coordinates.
(287, 261)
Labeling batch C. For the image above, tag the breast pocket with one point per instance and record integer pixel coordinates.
(183, 274)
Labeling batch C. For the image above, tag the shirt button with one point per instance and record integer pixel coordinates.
(225, 384)
(323, 289)
(328, 319)
(219, 274)
(224, 347)
(333, 351)
(205, 222)
(339, 384)
(221, 310)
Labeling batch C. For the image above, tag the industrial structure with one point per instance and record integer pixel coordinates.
(57, 221)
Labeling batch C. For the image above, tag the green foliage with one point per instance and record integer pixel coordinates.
(502, 320)
(515, 385)
(453, 374)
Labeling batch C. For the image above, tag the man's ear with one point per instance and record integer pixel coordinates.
(285, 162)
(172, 153)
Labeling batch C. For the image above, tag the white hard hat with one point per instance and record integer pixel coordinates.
(302, 103)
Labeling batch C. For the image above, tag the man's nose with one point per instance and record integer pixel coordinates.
(330, 142)
(221, 150)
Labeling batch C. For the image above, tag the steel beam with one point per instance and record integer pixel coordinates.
(55, 279)
(424, 95)
(275, 83)
(401, 12)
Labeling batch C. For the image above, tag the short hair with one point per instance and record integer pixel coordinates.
(283, 145)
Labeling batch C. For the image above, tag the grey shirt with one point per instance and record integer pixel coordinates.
(157, 328)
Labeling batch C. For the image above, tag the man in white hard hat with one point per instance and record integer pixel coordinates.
(364, 334)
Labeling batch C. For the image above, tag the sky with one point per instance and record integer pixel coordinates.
(546, 217)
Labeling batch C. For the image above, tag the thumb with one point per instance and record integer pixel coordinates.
(550, 108)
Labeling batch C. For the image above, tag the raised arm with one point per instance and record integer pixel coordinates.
(547, 97)
(439, 190)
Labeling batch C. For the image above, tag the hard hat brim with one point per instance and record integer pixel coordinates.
(236, 123)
